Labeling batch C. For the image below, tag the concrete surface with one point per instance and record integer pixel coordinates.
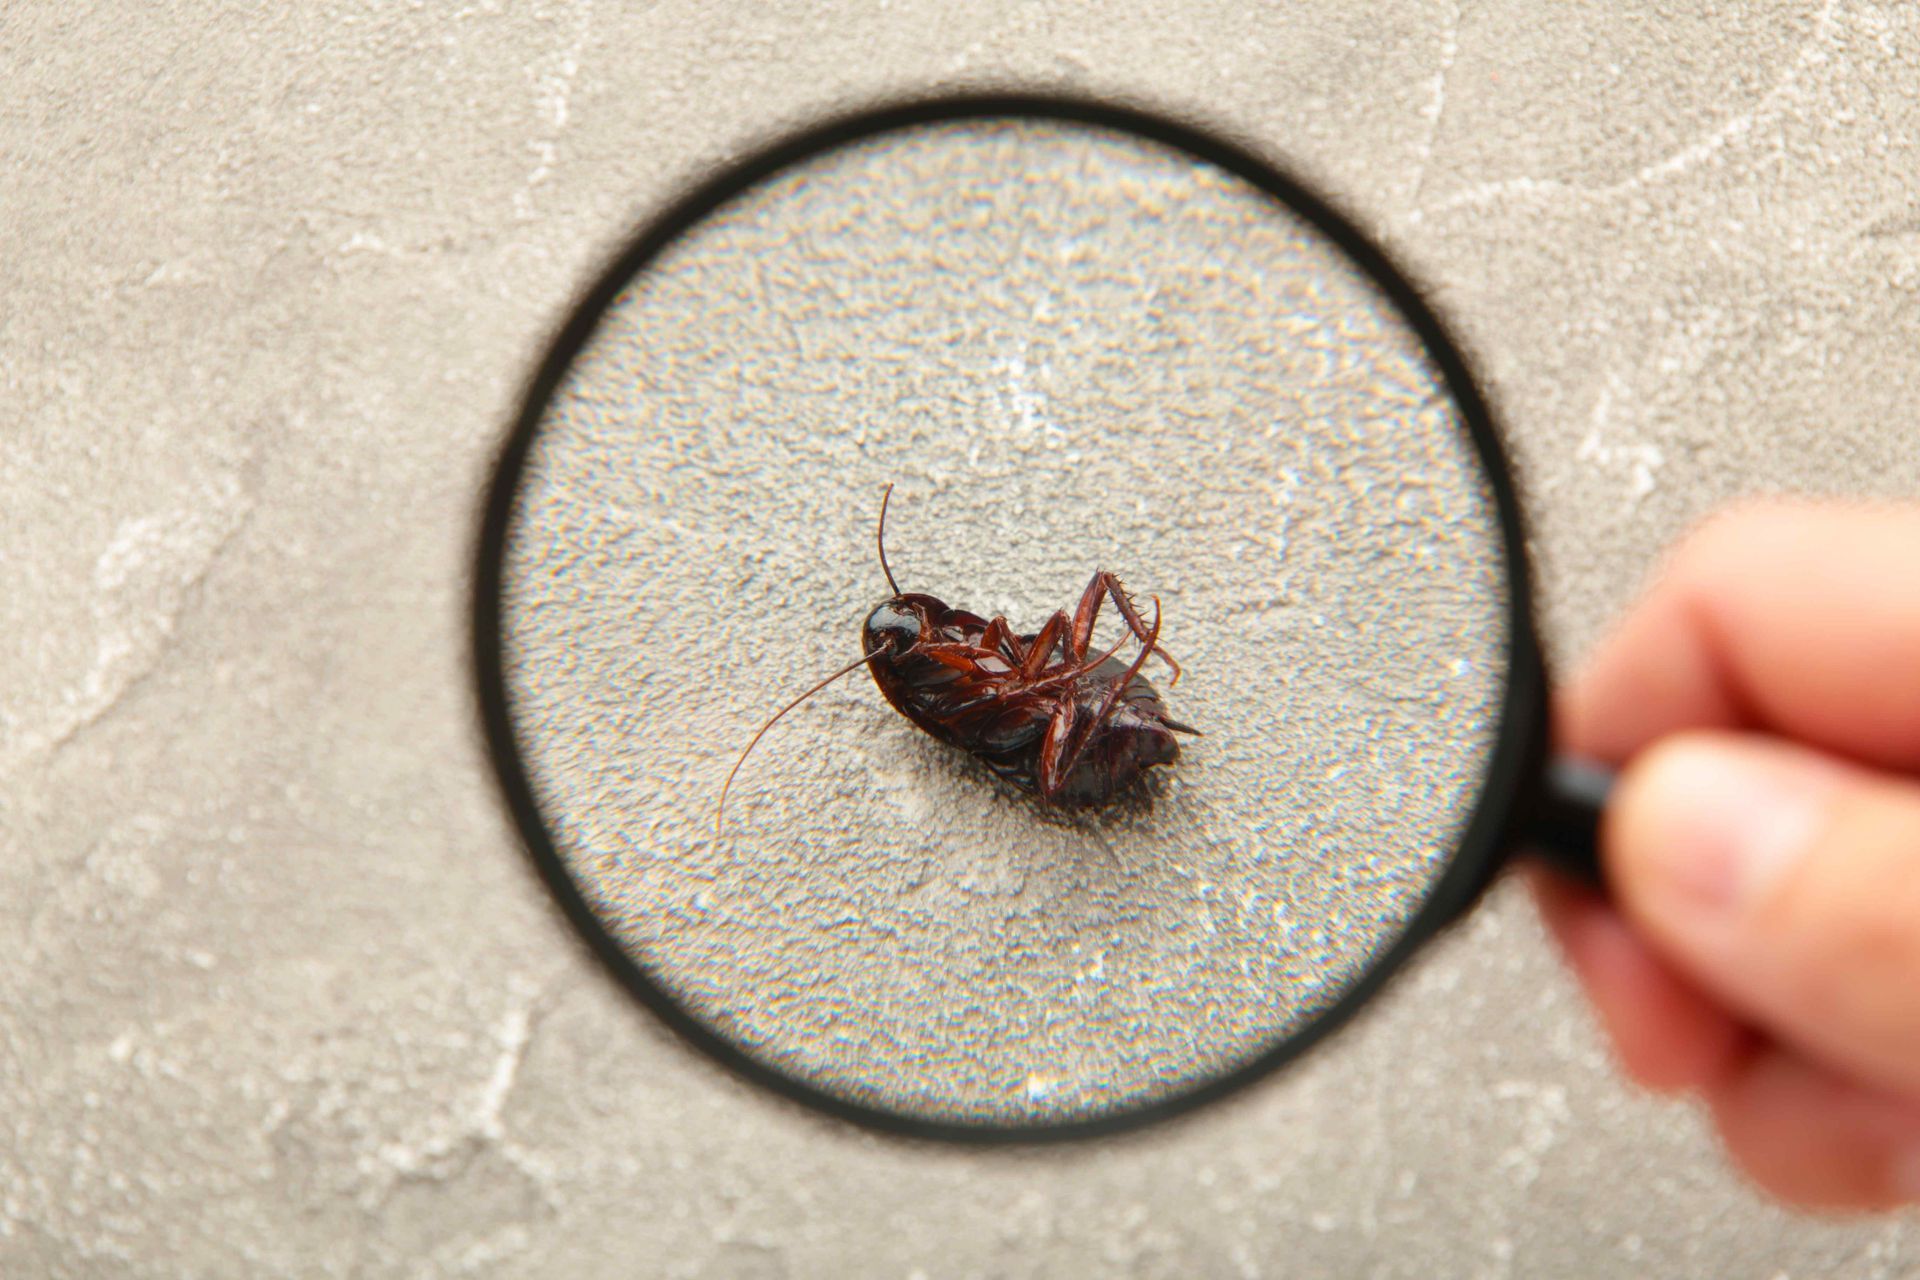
(279, 994)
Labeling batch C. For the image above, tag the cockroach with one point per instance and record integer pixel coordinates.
(1035, 709)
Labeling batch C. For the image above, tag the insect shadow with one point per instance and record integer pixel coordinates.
(1040, 711)
(1100, 828)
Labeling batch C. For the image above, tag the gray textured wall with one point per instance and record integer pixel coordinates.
(278, 994)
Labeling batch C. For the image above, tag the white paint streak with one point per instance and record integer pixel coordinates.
(476, 1257)
(514, 1032)
(1526, 188)
(1544, 1116)
(141, 582)
(1436, 104)
(1023, 404)
(442, 1151)
(553, 100)
(1639, 459)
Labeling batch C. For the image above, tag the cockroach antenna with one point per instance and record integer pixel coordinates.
(880, 540)
(719, 810)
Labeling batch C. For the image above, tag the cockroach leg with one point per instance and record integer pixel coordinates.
(1041, 649)
(1086, 612)
(1106, 586)
(1075, 672)
(1114, 694)
(1000, 638)
(1053, 747)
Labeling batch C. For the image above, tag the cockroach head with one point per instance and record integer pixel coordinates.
(893, 625)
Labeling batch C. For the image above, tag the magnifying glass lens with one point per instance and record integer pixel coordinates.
(1070, 347)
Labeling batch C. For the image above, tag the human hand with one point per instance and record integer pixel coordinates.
(1761, 946)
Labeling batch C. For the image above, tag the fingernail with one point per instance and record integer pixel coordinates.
(1726, 820)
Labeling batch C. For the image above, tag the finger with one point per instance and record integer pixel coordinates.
(1783, 883)
(1813, 1139)
(1667, 1034)
(1802, 618)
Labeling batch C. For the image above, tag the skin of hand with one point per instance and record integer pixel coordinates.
(1760, 942)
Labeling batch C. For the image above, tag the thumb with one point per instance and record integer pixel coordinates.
(1785, 883)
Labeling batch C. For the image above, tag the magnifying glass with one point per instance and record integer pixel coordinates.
(1072, 337)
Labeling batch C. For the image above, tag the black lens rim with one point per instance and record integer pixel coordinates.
(1516, 767)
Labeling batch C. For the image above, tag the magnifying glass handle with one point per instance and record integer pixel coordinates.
(1566, 824)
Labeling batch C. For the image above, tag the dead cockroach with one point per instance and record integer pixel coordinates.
(1035, 708)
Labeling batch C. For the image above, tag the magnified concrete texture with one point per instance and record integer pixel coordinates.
(279, 992)
(1069, 346)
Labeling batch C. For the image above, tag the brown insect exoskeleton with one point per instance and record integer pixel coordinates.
(1035, 709)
